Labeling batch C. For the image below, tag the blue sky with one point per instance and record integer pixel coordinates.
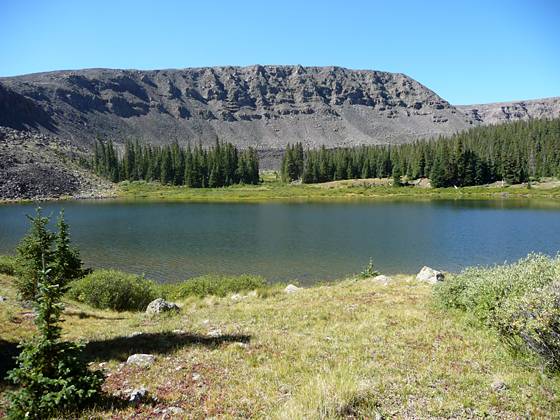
(466, 51)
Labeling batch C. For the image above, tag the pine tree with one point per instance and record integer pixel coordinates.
(397, 176)
(437, 176)
(33, 250)
(51, 375)
(67, 264)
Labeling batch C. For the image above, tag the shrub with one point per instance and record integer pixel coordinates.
(111, 289)
(369, 270)
(521, 301)
(483, 290)
(217, 285)
(7, 265)
(534, 321)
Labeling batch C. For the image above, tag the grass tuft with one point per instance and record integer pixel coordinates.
(215, 285)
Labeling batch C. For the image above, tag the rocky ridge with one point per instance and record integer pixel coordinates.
(39, 166)
(502, 112)
(49, 119)
(261, 106)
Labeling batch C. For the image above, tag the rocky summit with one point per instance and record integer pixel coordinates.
(261, 106)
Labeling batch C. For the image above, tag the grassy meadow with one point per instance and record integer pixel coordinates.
(352, 349)
(374, 188)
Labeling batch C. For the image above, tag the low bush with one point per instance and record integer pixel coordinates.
(112, 289)
(216, 285)
(7, 265)
(533, 321)
(520, 300)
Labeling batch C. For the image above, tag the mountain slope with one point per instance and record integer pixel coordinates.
(501, 112)
(262, 106)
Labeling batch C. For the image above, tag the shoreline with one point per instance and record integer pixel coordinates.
(339, 191)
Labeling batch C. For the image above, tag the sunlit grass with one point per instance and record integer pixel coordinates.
(272, 189)
(350, 349)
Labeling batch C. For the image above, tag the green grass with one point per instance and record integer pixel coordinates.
(271, 189)
(350, 349)
(216, 285)
(7, 264)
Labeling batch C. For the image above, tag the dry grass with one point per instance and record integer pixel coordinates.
(349, 350)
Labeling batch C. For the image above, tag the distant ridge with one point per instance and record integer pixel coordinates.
(261, 106)
(499, 112)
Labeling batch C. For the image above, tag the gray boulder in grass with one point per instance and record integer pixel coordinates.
(160, 305)
(382, 279)
(290, 288)
(429, 275)
(142, 360)
(137, 396)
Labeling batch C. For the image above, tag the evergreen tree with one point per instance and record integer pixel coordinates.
(51, 375)
(33, 250)
(67, 264)
(437, 176)
(396, 176)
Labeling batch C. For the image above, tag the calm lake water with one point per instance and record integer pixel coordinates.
(304, 241)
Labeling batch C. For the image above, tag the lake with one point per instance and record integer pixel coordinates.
(303, 241)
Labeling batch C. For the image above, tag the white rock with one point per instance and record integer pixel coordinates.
(430, 275)
(252, 293)
(381, 279)
(237, 297)
(160, 305)
(136, 396)
(498, 386)
(174, 411)
(215, 332)
(290, 288)
(143, 360)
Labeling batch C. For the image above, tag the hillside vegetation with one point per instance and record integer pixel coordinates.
(513, 152)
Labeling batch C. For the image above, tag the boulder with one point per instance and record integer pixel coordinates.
(430, 275)
(142, 360)
(215, 332)
(290, 288)
(174, 411)
(160, 305)
(498, 386)
(3, 298)
(138, 395)
(381, 279)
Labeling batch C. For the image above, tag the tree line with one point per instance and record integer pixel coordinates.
(219, 166)
(513, 152)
